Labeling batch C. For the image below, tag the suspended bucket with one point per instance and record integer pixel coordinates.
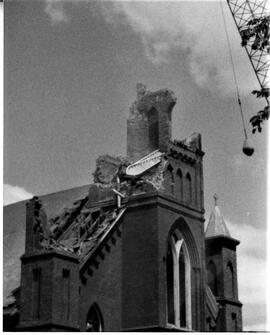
(247, 149)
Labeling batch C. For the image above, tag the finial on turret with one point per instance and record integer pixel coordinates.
(215, 198)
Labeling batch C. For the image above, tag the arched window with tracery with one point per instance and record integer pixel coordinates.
(178, 282)
(94, 321)
(179, 185)
(212, 277)
(230, 280)
(188, 188)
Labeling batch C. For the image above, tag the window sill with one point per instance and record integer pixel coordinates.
(172, 327)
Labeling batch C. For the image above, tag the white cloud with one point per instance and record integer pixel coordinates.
(14, 194)
(165, 27)
(56, 11)
(168, 26)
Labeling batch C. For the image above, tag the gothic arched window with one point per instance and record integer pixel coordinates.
(169, 180)
(178, 282)
(234, 322)
(212, 277)
(94, 322)
(230, 280)
(153, 128)
(188, 188)
(179, 184)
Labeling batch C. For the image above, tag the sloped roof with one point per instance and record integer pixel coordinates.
(211, 302)
(14, 233)
(216, 224)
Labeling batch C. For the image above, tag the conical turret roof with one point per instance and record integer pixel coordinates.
(216, 224)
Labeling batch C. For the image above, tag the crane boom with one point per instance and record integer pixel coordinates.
(244, 12)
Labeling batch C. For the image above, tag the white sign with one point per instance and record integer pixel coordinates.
(144, 163)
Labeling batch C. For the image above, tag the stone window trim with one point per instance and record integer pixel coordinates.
(179, 248)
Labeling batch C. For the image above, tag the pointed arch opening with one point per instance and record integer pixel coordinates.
(179, 185)
(169, 180)
(94, 320)
(188, 188)
(212, 277)
(230, 280)
(178, 282)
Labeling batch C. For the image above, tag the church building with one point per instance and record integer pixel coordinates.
(128, 252)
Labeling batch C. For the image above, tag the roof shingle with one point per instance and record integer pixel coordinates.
(216, 224)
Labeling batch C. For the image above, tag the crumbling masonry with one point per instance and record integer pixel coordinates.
(107, 262)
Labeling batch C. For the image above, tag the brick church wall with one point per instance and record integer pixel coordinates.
(146, 228)
(103, 287)
(140, 267)
(46, 284)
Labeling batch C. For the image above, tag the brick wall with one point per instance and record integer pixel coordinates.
(149, 123)
(230, 319)
(140, 268)
(103, 287)
(137, 139)
(45, 267)
(47, 297)
(230, 278)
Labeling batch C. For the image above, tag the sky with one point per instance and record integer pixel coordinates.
(70, 72)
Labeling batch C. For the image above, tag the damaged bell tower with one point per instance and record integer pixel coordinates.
(149, 123)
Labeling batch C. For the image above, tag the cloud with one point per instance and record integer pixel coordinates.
(165, 27)
(56, 11)
(14, 194)
(197, 28)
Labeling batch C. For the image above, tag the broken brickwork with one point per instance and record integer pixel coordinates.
(109, 249)
(149, 122)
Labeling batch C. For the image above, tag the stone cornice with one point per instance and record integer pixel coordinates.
(180, 144)
(50, 254)
(164, 200)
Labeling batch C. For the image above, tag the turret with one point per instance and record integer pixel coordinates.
(222, 271)
(49, 293)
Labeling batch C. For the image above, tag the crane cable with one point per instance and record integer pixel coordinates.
(233, 69)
